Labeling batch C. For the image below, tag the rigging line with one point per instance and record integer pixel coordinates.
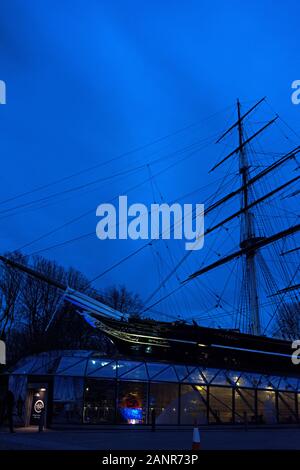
(76, 188)
(281, 301)
(206, 286)
(240, 147)
(154, 182)
(219, 297)
(118, 157)
(241, 119)
(163, 298)
(225, 312)
(284, 122)
(154, 253)
(106, 178)
(84, 214)
(257, 176)
(175, 268)
(257, 201)
(202, 283)
(133, 253)
(231, 272)
(273, 287)
(98, 165)
(269, 279)
(255, 246)
(202, 286)
(282, 209)
(283, 253)
(86, 235)
(41, 206)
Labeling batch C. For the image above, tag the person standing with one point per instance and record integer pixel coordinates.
(10, 403)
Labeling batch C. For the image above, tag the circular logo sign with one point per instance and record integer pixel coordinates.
(39, 406)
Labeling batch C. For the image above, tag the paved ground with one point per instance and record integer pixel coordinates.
(144, 439)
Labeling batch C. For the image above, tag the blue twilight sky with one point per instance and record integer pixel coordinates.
(89, 81)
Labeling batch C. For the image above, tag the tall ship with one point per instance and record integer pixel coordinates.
(245, 344)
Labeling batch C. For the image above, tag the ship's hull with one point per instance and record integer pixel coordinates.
(206, 346)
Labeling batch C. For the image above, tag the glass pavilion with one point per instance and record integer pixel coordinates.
(85, 387)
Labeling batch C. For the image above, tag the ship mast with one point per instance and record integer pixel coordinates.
(247, 238)
(250, 242)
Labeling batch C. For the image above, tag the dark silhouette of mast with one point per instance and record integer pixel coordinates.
(248, 238)
(250, 242)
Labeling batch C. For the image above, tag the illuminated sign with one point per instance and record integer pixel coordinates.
(39, 406)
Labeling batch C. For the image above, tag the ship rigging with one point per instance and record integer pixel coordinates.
(207, 345)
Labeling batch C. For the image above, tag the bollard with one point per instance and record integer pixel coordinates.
(196, 439)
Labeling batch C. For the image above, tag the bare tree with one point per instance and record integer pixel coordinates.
(123, 300)
(40, 299)
(35, 317)
(11, 281)
(287, 322)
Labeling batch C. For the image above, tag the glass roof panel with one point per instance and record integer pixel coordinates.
(138, 373)
(244, 380)
(289, 383)
(126, 366)
(96, 363)
(46, 367)
(71, 366)
(265, 382)
(155, 368)
(220, 379)
(168, 375)
(195, 377)
(182, 372)
(108, 369)
(80, 363)
(275, 380)
(25, 366)
(233, 375)
(254, 379)
(209, 374)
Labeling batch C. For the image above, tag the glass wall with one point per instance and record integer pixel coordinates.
(244, 406)
(132, 403)
(266, 407)
(67, 399)
(99, 403)
(220, 405)
(193, 404)
(163, 399)
(287, 407)
(128, 392)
